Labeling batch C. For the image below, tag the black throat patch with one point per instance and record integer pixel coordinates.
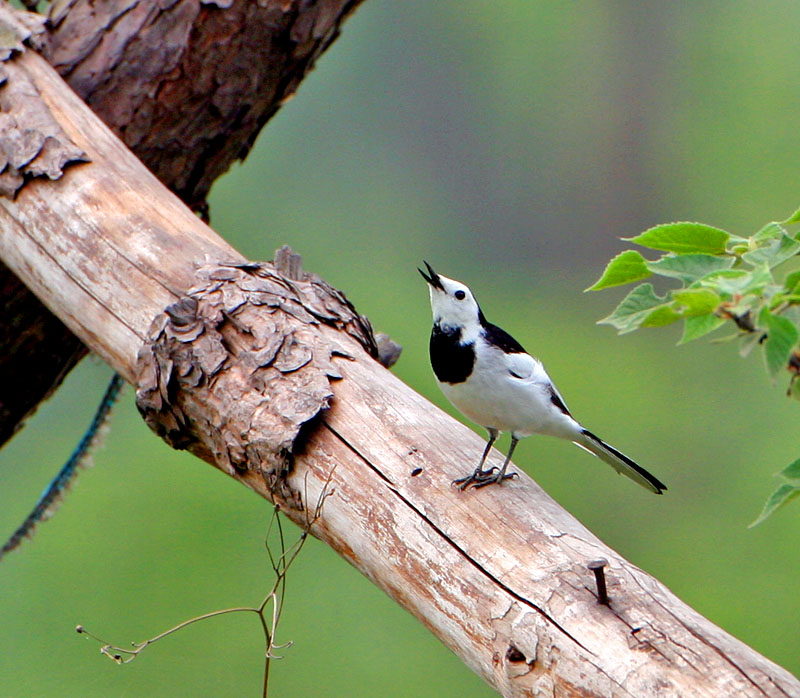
(452, 361)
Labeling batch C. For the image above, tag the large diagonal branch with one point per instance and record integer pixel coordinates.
(267, 377)
(187, 85)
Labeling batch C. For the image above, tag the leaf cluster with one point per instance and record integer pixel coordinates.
(785, 493)
(720, 278)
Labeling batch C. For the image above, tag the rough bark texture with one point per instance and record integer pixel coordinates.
(31, 144)
(102, 225)
(246, 333)
(499, 575)
(187, 84)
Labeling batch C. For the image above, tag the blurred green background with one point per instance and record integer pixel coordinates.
(510, 144)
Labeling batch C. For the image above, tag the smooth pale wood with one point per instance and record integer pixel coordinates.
(514, 546)
(498, 574)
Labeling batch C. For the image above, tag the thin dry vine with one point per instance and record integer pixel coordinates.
(273, 600)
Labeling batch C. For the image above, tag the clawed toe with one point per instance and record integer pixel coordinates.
(494, 478)
(478, 476)
(481, 478)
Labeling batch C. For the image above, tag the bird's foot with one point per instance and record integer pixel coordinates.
(495, 478)
(478, 476)
(481, 478)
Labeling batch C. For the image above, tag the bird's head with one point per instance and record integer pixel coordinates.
(452, 302)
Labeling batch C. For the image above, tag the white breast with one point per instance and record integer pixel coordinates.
(509, 392)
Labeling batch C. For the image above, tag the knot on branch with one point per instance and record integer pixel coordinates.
(234, 369)
(32, 144)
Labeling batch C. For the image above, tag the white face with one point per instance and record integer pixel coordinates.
(453, 304)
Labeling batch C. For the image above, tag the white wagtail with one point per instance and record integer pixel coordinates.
(489, 377)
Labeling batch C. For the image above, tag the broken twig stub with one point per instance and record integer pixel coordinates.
(234, 369)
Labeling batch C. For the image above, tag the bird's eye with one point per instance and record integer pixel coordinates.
(460, 295)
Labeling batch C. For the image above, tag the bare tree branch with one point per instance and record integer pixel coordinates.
(500, 575)
(187, 85)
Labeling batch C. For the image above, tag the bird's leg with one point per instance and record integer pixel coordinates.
(501, 475)
(480, 474)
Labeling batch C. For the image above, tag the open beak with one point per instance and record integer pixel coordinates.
(433, 279)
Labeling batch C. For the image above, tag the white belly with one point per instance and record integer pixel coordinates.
(496, 400)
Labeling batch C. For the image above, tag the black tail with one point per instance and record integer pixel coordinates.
(621, 463)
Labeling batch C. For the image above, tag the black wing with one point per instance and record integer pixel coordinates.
(500, 338)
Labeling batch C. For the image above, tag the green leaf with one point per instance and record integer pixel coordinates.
(792, 282)
(660, 316)
(734, 282)
(634, 309)
(684, 238)
(787, 248)
(794, 218)
(783, 495)
(696, 326)
(792, 471)
(774, 293)
(625, 268)
(770, 231)
(689, 267)
(782, 336)
(698, 301)
(793, 313)
(777, 251)
(760, 278)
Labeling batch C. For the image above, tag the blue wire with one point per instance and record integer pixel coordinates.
(67, 473)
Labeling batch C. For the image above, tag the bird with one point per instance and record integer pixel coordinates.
(489, 377)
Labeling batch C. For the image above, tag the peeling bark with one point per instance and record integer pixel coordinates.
(500, 575)
(234, 369)
(187, 85)
(32, 143)
(29, 329)
(111, 205)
